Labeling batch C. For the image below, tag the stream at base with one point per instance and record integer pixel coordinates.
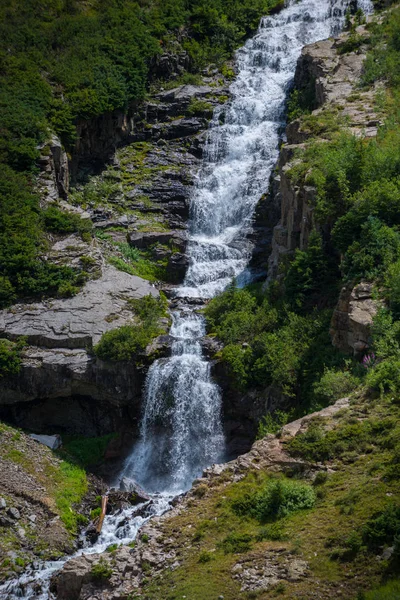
(181, 429)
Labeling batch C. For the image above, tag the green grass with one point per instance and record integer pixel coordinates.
(390, 591)
(87, 451)
(70, 485)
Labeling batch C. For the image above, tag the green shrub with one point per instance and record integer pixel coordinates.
(334, 385)
(278, 498)
(205, 557)
(95, 513)
(385, 376)
(274, 532)
(236, 543)
(200, 107)
(102, 570)
(67, 290)
(312, 276)
(273, 422)
(10, 357)
(59, 221)
(383, 528)
(7, 292)
(126, 341)
(123, 343)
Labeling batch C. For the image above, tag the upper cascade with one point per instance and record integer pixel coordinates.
(243, 142)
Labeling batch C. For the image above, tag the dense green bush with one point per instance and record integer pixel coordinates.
(312, 277)
(383, 529)
(334, 385)
(235, 543)
(273, 422)
(22, 272)
(278, 498)
(268, 344)
(59, 221)
(124, 342)
(385, 376)
(10, 357)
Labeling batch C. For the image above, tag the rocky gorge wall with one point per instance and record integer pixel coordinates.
(330, 77)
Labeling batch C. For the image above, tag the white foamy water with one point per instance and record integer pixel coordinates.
(181, 431)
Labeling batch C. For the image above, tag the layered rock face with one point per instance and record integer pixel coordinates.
(61, 384)
(331, 79)
(141, 200)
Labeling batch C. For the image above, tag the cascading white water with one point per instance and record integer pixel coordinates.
(181, 429)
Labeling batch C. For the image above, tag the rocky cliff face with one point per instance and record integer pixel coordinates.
(139, 202)
(329, 76)
(62, 386)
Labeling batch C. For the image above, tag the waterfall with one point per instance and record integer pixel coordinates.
(181, 428)
(181, 431)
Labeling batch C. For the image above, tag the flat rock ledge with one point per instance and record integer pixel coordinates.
(77, 322)
(58, 363)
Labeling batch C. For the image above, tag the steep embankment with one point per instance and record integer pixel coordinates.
(43, 501)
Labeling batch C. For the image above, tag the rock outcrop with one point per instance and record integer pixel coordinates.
(53, 180)
(330, 77)
(62, 385)
(353, 318)
(80, 321)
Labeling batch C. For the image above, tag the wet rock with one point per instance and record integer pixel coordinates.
(130, 486)
(92, 534)
(69, 582)
(177, 267)
(144, 240)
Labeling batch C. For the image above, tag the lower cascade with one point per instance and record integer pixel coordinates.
(181, 431)
(181, 428)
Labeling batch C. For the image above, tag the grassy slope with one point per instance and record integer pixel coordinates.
(34, 480)
(356, 488)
